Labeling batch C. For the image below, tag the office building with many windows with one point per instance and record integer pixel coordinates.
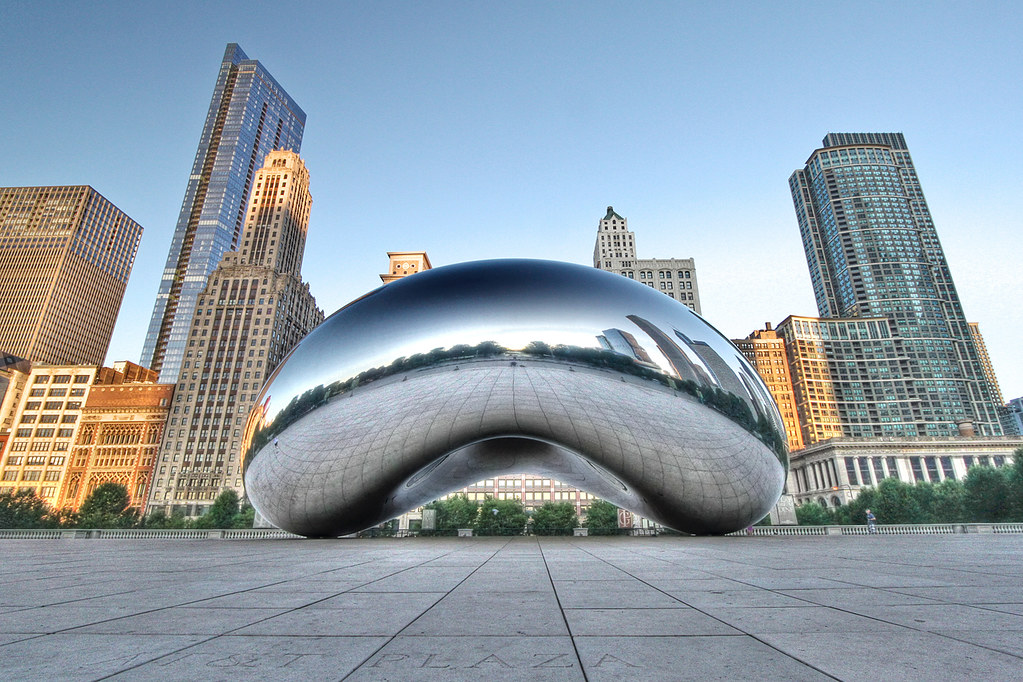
(65, 256)
(875, 258)
(250, 115)
(253, 310)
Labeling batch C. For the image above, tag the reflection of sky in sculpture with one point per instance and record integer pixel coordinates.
(537, 303)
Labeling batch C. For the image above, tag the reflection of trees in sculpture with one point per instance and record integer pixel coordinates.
(728, 404)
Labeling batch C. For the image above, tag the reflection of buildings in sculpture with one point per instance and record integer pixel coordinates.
(626, 344)
(119, 434)
(698, 361)
(615, 251)
(723, 376)
(250, 115)
(833, 472)
(873, 252)
(48, 429)
(531, 491)
(684, 367)
(253, 311)
(765, 350)
(404, 263)
(65, 257)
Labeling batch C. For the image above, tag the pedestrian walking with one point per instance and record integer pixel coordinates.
(871, 522)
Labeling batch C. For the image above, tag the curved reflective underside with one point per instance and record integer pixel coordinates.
(470, 371)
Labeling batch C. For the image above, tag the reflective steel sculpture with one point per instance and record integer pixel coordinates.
(470, 371)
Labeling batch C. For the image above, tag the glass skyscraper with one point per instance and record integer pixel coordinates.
(873, 252)
(250, 115)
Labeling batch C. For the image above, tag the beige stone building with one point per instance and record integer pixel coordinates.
(119, 434)
(833, 472)
(615, 251)
(45, 424)
(254, 309)
(65, 256)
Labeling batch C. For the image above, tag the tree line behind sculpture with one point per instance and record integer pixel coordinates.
(728, 404)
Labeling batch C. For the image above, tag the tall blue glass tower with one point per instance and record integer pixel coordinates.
(873, 252)
(250, 115)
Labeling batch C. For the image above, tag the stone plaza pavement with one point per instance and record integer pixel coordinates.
(766, 608)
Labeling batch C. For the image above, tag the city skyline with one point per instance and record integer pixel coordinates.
(475, 133)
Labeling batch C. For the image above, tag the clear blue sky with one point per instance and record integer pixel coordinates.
(481, 130)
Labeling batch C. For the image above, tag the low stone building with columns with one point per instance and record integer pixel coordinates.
(832, 472)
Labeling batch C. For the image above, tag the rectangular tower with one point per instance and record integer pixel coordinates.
(65, 257)
(249, 116)
(615, 251)
(873, 252)
(252, 311)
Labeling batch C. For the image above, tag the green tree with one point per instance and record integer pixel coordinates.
(602, 518)
(501, 517)
(925, 496)
(988, 497)
(107, 507)
(22, 509)
(455, 512)
(855, 513)
(812, 514)
(1015, 478)
(949, 500)
(895, 502)
(555, 518)
(221, 513)
(245, 518)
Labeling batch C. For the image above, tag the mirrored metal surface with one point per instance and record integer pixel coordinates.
(470, 371)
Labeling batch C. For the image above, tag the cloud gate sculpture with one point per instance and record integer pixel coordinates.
(470, 371)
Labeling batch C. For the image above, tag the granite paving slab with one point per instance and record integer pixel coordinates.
(597, 594)
(73, 657)
(232, 658)
(687, 658)
(896, 655)
(631, 622)
(511, 614)
(212, 620)
(473, 658)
